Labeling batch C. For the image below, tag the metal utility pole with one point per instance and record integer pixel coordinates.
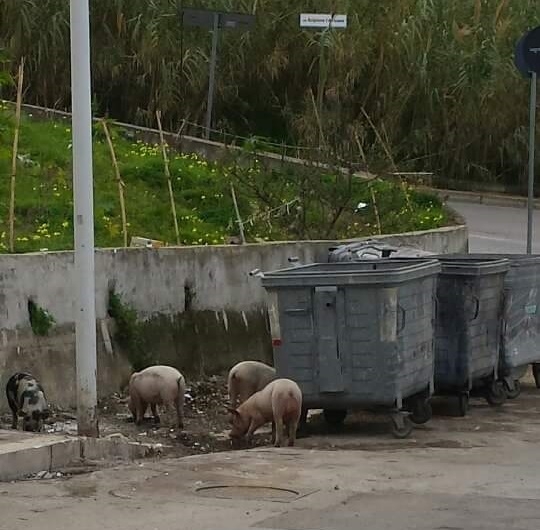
(83, 219)
(527, 61)
(326, 22)
(532, 135)
(212, 76)
(215, 20)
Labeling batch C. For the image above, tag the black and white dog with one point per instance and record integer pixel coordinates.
(26, 398)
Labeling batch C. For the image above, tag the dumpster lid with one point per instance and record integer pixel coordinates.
(352, 273)
(516, 260)
(467, 264)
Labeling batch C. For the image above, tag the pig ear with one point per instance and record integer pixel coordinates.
(233, 411)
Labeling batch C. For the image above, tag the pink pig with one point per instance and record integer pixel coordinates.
(156, 385)
(246, 378)
(279, 402)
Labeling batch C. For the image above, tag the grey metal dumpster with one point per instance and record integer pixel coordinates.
(468, 325)
(357, 335)
(520, 333)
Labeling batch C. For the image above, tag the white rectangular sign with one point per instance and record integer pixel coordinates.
(314, 20)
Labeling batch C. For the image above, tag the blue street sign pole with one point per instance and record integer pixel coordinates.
(532, 134)
(527, 61)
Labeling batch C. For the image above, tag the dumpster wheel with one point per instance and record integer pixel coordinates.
(303, 429)
(496, 394)
(334, 418)
(515, 392)
(421, 412)
(536, 374)
(402, 426)
(463, 403)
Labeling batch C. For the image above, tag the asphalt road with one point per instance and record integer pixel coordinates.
(498, 228)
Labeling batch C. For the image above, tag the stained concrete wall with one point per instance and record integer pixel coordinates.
(201, 309)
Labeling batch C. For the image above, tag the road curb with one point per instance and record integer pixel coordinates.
(29, 456)
(491, 199)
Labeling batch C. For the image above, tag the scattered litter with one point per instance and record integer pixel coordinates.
(117, 436)
(119, 495)
(45, 475)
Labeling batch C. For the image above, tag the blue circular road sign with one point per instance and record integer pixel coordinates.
(527, 56)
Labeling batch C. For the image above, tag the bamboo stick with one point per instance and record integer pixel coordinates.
(238, 218)
(168, 176)
(120, 182)
(14, 157)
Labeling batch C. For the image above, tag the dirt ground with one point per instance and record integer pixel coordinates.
(206, 424)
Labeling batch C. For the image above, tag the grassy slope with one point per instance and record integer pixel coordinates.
(44, 200)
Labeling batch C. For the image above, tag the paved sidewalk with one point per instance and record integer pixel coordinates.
(459, 489)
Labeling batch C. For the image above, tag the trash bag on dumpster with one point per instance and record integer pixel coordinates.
(372, 249)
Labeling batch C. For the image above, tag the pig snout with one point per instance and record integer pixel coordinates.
(32, 423)
(239, 424)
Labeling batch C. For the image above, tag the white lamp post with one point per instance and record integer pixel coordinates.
(83, 219)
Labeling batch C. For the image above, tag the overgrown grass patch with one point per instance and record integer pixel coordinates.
(274, 205)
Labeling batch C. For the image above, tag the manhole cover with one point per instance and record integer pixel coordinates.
(247, 492)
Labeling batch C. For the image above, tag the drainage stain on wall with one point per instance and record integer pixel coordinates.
(207, 342)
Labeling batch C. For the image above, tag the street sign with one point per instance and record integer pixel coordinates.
(204, 18)
(199, 18)
(237, 21)
(527, 56)
(317, 20)
(519, 58)
(326, 22)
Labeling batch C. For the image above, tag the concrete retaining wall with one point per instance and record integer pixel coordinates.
(201, 309)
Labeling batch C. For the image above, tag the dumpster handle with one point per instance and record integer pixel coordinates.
(477, 308)
(403, 319)
(296, 311)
